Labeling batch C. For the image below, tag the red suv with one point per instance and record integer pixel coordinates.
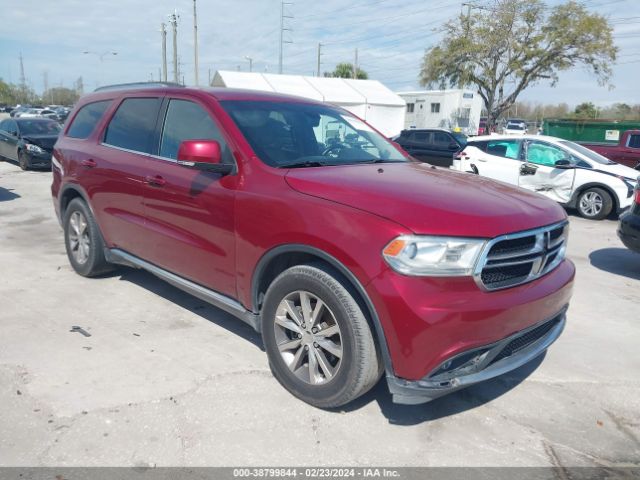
(303, 221)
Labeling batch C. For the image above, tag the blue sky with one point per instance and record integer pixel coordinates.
(390, 35)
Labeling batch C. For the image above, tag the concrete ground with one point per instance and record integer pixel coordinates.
(167, 380)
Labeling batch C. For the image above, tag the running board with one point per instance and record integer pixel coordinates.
(216, 299)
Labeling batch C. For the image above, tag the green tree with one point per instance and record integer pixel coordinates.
(345, 70)
(60, 96)
(6, 93)
(586, 110)
(505, 47)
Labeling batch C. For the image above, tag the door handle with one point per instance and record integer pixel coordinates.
(482, 159)
(89, 163)
(527, 169)
(155, 180)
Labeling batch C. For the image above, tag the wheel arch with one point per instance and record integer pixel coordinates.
(278, 259)
(573, 203)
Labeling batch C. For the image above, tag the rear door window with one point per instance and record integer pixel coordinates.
(504, 148)
(87, 118)
(132, 126)
(420, 137)
(442, 140)
(186, 120)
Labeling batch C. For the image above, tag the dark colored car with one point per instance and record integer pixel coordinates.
(629, 226)
(435, 146)
(28, 141)
(300, 219)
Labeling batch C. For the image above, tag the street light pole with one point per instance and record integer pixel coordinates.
(101, 57)
(250, 62)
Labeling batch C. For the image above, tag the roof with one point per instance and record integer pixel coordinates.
(218, 93)
(333, 90)
(526, 136)
(435, 92)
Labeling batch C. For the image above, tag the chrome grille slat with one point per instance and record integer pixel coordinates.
(503, 265)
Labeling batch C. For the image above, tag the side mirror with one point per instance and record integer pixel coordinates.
(453, 147)
(203, 155)
(564, 163)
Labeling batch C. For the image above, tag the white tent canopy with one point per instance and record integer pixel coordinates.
(368, 99)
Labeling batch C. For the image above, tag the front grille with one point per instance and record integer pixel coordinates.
(521, 257)
(525, 340)
(497, 276)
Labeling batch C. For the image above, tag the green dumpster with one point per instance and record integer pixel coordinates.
(588, 130)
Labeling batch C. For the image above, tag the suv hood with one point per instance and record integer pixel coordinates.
(429, 200)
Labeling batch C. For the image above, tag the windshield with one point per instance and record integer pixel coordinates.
(590, 154)
(39, 127)
(299, 134)
(460, 137)
(515, 126)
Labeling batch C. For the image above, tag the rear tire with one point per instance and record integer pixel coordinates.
(318, 341)
(83, 241)
(595, 203)
(23, 161)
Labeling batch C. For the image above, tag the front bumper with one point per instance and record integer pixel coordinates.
(39, 160)
(480, 364)
(629, 230)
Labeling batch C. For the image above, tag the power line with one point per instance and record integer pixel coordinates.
(333, 12)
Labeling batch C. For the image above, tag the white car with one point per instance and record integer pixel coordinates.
(515, 128)
(560, 169)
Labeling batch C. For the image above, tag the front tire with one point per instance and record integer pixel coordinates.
(23, 161)
(318, 341)
(83, 241)
(595, 203)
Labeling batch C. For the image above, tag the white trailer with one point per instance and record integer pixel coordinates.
(368, 99)
(453, 109)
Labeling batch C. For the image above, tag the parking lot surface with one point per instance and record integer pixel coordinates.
(164, 379)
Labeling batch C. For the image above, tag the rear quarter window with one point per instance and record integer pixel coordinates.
(87, 118)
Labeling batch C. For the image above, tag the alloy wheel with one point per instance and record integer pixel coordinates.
(591, 204)
(308, 337)
(79, 240)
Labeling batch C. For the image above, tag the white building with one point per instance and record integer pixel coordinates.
(368, 99)
(443, 108)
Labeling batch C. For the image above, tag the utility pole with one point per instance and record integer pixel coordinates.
(318, 63)
(355, 66)
(23, 80)
(45, 80)
(209, 84)
(282, 30)
(163, 32)
(173, 20)
(195, 41)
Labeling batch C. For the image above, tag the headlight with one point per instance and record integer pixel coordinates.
(33, 148)
(433, 256)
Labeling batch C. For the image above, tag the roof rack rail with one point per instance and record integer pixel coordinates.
(124, 86)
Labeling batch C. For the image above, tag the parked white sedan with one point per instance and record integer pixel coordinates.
(562, 170)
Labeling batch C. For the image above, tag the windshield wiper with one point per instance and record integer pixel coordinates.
(303, 164)
(381, 160)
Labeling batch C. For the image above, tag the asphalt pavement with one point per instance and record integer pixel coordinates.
(167, 380)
